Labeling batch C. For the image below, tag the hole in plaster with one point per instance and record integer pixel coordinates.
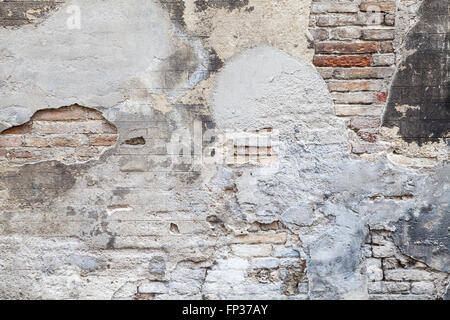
(135, 141)
(174, 228)
(69, 134)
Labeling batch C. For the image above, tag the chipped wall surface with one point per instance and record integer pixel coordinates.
(216, 149)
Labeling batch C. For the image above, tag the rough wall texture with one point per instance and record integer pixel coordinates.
(224, 149)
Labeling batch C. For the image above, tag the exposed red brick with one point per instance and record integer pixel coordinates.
(64, 142)
(342, 61)
(72, 113)
(20, 154)
(103, 140)
(22, 129)
(381, 97)
(92, 114)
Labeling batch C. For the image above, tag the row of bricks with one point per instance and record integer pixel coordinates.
(352, 33)
(345, 13)
(322, 6)
(354, 19)
(366, 47)
(21, 153)
(62, 127)
(378, 60)
(7, 141)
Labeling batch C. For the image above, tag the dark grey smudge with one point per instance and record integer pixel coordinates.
(423, 79)
(202, 5)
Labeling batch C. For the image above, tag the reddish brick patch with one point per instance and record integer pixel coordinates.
(342, 61)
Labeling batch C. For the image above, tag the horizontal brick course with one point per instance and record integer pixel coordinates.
(346, 48)
(342, 61)
(375, 6)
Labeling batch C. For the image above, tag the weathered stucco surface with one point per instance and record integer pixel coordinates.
(191, 150)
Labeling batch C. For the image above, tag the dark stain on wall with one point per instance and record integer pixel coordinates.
(423, 79)
(230, 5)
(18, 12)
(37, 184)
(424, 233)
(175, 9)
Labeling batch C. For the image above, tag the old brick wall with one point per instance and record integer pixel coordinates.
(69, 133)
(292, 149)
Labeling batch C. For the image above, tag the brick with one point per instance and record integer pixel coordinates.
(386, 47)
(422, 287)
(282, 251)
(389, 19)
(384, 251)
(378, 34)
(31, 141)
(375, 6)
(390, 263)
(334, 7)
(232, 264)
(379, 60)
(252, 250)
(51, 127)
(152, 287)
(3, 152)
(327, 20)
(22, 129)
(373, 269)
(92, 114)
(108, 128)
(369, 148)
(348, 86)
(325, 72)
(363, 73)
(103, 140)
(357, 110)
(354, 97)
(346, 33)
(10, 141)
(369, 19)
(20, 154)
(65, 127)
(367, 136)
(319, 34)
(262, 238)
(366, 251)
(87, 152)
(388, 287)
(381, 97)
(265, 263)
(63, 114)
(408, 275)
(64, 142)
(341, 61)
(400, 297)
(346, 48)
